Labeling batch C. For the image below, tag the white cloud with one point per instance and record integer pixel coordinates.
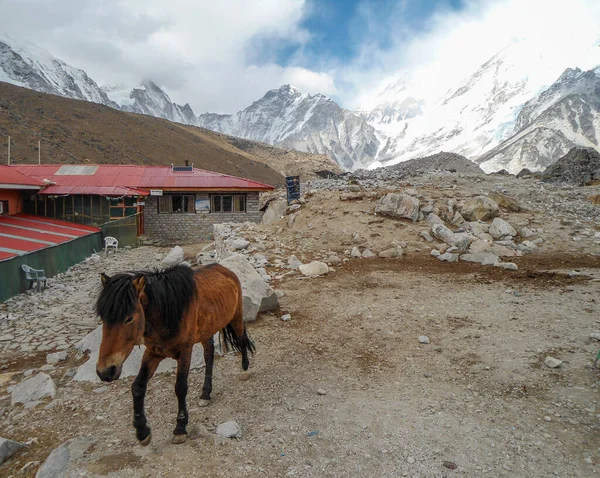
(205, 52)
(551, 34)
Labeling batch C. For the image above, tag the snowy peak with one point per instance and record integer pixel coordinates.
(564, 116)
(32, 67)
(291, 119)
(149, 99)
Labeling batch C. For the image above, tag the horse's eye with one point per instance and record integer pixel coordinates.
(128, 320)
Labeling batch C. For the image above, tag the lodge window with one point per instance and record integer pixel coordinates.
(3, 208)
(228, 203)
(173, 203)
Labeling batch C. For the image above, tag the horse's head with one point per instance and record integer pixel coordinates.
(120, 305)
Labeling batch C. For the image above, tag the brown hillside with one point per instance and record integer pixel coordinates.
(284, 161)
(75, 131)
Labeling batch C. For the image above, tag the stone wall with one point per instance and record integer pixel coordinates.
(193, 227)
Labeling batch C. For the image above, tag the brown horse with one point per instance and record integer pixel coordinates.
(169, 312)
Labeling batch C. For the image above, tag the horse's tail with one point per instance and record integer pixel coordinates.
(233, 342)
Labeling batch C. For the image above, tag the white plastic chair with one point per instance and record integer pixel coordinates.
(110, 241)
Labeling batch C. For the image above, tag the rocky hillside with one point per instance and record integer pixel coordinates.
(78, 131)
(311, 123)
(579, 167)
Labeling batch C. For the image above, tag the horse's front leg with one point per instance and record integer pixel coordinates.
(181, 389)
(209, 357)
(149, 365)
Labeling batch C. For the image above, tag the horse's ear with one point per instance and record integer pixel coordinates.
(139, 283)
(104, 279)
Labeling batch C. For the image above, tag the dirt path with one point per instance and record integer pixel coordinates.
(478, 396)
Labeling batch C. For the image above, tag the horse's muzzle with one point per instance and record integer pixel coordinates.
(109, 374)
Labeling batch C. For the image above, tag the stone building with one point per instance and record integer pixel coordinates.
(171, 204)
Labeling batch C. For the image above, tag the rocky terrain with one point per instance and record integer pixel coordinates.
(431, 324)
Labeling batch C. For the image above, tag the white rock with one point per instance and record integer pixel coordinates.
(509, 266)
(460, 240)
(315, 268)
(286, 317)
(434, 219)
(426, 236)
(423, 339)
(240, 244)
(392, 253)
(595, 335)
(501, 228)
(275, 211)
(57, 463)
(33, 389)
(552, 362)
(8, 448)
(367, 254)
(484, 258)
(293, 262)
(257, 295)
(479, 208)
(56, 357)
(355, 252)
(435, 253)
(173, 258)
(448, 257)
(229, 430)
(398, 206)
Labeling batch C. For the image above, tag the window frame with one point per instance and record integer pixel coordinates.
(169, 197)
(213, 198)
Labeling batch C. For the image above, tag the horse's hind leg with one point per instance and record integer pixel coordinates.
(209, 357)
(150, 362)
(181, 389)
(244, 342)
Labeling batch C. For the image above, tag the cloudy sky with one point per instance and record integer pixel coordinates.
(220, 55)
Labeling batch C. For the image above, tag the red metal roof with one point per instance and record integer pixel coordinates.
(10, 176)
(22, 234)
(128, 180)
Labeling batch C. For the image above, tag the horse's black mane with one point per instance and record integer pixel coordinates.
(169, 293)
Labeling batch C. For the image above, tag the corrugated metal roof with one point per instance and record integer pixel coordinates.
(22, 234)
(11, 176)
(94, 177)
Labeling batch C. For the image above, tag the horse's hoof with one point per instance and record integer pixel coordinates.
(204, 403)
(146, 441)
(179, 439)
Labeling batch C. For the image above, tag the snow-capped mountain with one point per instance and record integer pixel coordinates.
(564, 116)
(149, 99)
(287, 118)
(32, 67)
(474, 115)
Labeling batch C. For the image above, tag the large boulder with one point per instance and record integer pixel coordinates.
(8, 448)
(33, 389)
(314, 269)
(58, 462)
(459, 240)
(400, 206)
(258, 296)
(173, 258)
(501, 228)
(275, 210)
(480, 208)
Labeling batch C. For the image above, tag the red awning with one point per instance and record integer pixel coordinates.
(22, 234)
